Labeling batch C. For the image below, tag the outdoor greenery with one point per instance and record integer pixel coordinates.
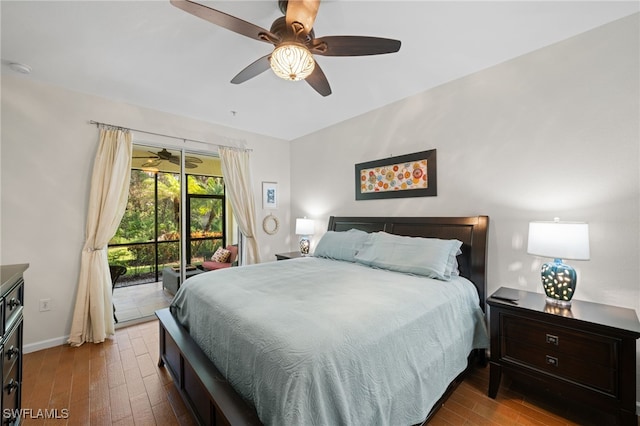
(146, 225)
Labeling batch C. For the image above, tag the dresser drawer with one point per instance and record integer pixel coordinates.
(11, 351)
(11, 396)
(12, 305)
(592, 348)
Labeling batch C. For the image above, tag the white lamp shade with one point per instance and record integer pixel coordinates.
(304, 227)
(559, 240)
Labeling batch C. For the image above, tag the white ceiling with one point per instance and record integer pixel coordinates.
(154, 55)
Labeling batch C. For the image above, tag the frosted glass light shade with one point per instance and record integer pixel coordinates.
(292, 61)
(304, 227)
(559, 240)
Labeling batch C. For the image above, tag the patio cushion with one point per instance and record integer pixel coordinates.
(210, 265)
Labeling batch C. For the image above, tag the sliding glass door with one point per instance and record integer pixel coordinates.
(149, 239)
(205, 218)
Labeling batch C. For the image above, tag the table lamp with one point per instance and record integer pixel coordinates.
(304, 228)
(559, 240)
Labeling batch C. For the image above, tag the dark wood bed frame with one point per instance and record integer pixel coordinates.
(211, 398)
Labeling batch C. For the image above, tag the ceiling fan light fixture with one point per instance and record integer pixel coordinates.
(292, 61)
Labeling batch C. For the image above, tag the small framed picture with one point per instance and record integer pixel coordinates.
(269, 195)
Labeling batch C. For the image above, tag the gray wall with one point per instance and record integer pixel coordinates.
(551, 133)
(48, 147)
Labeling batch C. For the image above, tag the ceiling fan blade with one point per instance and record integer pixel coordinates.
(319, 81)
(257, 67)
(303, 12)
(153, 155)
(353, 46)
(224, 20)
(151, 163)
(187, 165)
(191, 159)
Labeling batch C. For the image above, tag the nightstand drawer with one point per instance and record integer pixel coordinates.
(579, 370)
(592, 348)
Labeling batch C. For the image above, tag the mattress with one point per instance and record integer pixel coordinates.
(314, 341)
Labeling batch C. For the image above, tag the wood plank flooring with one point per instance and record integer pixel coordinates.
(119, 383)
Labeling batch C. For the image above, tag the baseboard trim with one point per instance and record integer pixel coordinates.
(44, 344)
(59, 341)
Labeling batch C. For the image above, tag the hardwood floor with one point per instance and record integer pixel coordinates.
(114, 383)
(119, 383)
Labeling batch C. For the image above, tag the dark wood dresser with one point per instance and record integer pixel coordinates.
(11, 302)
(586, 353)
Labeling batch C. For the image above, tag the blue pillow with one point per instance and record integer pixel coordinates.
(341, 245)
(452, 264)
(430, 257)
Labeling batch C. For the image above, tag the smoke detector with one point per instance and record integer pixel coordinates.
(21, 68)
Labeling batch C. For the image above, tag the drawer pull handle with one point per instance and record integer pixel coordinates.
(553, 340)
(551, 360)
(11, 386)
(13, 303)
(11, 352)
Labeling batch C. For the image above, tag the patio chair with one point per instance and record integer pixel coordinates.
(212, 265)
(116, 272)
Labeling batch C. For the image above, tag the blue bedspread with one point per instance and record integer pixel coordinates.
(314, 341)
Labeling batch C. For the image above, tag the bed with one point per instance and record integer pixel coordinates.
(242, 347)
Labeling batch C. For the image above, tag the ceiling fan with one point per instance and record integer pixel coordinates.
(294, 40)
(156, 158)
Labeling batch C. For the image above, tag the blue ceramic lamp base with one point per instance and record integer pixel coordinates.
(304, 246)
(559, 282)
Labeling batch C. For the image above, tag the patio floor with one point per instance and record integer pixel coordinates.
(139, 302)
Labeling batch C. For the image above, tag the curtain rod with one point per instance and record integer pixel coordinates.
(98, 124)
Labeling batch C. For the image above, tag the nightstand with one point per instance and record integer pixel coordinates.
(585, 353)
(289, 255)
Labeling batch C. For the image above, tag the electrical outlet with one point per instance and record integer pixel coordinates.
(45, 305)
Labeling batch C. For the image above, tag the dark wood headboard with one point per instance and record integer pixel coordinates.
(472, 231)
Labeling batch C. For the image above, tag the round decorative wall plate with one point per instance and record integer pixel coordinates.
(271, 224)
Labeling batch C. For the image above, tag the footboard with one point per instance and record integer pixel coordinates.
(206, 393)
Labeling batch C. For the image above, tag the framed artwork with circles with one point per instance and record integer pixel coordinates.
(410, 175)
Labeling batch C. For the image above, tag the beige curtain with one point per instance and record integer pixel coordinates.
(93, 314)
(237, 177)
